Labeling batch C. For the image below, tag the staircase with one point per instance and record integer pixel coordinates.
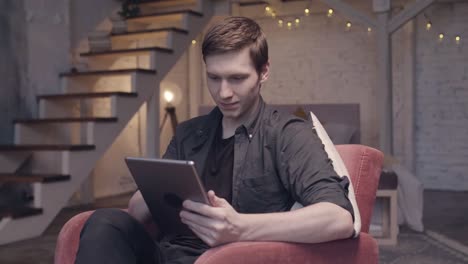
(56, 152)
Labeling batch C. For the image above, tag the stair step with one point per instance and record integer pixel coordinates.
(167, 3)
(251, 3)
(126, 52)
(162, 19)
(86, 95)
(156, 14)
(144, 37)
(32, 178)
(66, 120)
(46, 147)
(107, 72)
(156, 30)
(19, 211)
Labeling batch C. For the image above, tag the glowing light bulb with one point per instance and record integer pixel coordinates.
(428, 25)
(369, 29)
(297, 20)
(168, 96)
(441, 36)
(267, 8)
(307, 11)
(330, 12)
(457, 39)
(348, 25)
(194, 42)
(280, 22)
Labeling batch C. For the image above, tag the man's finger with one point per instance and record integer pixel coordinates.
(202, 209)
(203, 233)
(196, 218)
(217, 201)
(211, 197)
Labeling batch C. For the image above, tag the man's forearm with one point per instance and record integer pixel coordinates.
(316, 223)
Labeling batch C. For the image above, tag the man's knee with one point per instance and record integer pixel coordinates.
(109, 220)
(114, 234)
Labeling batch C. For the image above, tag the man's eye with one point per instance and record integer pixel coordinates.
(214, 78)
(238, 78)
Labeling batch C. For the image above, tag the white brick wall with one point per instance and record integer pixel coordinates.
(441, 131)
(321, 62)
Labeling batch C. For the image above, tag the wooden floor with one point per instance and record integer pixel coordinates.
(445, 213)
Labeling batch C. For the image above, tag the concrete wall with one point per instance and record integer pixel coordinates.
(442, 99)
(13, 51)
(88, 16)
(48, 42)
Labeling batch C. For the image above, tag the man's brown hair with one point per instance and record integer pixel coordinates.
(234, 34)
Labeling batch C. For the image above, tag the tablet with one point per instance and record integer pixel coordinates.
(164, 185)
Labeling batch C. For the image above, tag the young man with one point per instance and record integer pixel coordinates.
(255, 161)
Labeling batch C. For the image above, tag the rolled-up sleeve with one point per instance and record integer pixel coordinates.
(305, 169)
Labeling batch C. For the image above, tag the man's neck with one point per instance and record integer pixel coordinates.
(230, 124)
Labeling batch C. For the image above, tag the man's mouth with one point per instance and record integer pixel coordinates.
(228, 105)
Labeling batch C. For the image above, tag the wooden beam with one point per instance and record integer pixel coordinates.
(351, 12)
(384, 84)
(407, 14)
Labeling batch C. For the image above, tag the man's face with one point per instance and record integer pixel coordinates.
(234, 83)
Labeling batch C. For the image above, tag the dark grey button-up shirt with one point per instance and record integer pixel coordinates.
(278, 159)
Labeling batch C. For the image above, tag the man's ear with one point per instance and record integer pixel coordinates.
(265, 72)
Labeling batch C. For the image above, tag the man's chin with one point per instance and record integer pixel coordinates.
(229, 113)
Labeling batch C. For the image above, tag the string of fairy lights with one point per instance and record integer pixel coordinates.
(441, 36)
(293, 21)
(290, 22)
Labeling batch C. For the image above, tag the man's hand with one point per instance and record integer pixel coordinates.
(215, 225)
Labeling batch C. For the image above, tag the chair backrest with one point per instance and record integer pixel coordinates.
(364, 165)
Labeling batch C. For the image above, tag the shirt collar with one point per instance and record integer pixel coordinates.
(250, 126)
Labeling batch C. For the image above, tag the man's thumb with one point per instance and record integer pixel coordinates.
(215, 200)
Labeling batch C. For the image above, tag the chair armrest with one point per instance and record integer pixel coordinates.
(363, 249)
(69, 238)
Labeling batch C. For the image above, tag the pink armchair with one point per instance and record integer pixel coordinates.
(364, 165)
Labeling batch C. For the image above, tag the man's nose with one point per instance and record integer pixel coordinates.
(225, 91)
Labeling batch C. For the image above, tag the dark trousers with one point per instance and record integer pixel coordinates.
(113, 236)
